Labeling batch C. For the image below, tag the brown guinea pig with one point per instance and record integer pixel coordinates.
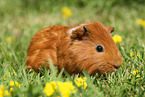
(84, 46)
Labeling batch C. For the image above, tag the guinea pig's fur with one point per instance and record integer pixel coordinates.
(75, 49)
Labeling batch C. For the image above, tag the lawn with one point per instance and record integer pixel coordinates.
(21, 19)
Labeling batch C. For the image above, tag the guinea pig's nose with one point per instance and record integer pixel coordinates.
(117, 64)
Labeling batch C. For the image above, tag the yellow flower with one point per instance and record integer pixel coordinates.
(1, 91)
(15, 73)
(132, 55)
(5, 78)
(81, 82)
(11, 89)
(135, 72)
(65, 88)
(12, 73)
(141, 22)
(7, 93)
(138, 75)
(66, 12)
(17, 84)
(9, 39)
(137, 55)
(8, 74)
(49, 90)
(11, 83)
(117, 38)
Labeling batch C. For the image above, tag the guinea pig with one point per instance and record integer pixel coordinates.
(86, 46)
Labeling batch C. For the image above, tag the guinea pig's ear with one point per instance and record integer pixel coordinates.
(110, 28)
(80, 33)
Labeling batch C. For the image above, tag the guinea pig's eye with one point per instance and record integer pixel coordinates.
(99, 48)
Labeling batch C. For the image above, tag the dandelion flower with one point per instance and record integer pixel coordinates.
(5, 78)
(66, 12)
(135, 72)
(137, 55)
(15, 73)
(8, 74)
(9, 39)
(132, 55)
(117, 38)
(11, 89)
(1, 91)
(17, 84)
(141, 22)
(65, 88)
(11, 83)
(138, 75)
(7, 93)
(49, 90)
(81, 82)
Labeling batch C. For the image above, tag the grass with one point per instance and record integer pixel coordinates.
(21, 20)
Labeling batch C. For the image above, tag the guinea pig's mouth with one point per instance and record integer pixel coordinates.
(109, 69)
(102, 69)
